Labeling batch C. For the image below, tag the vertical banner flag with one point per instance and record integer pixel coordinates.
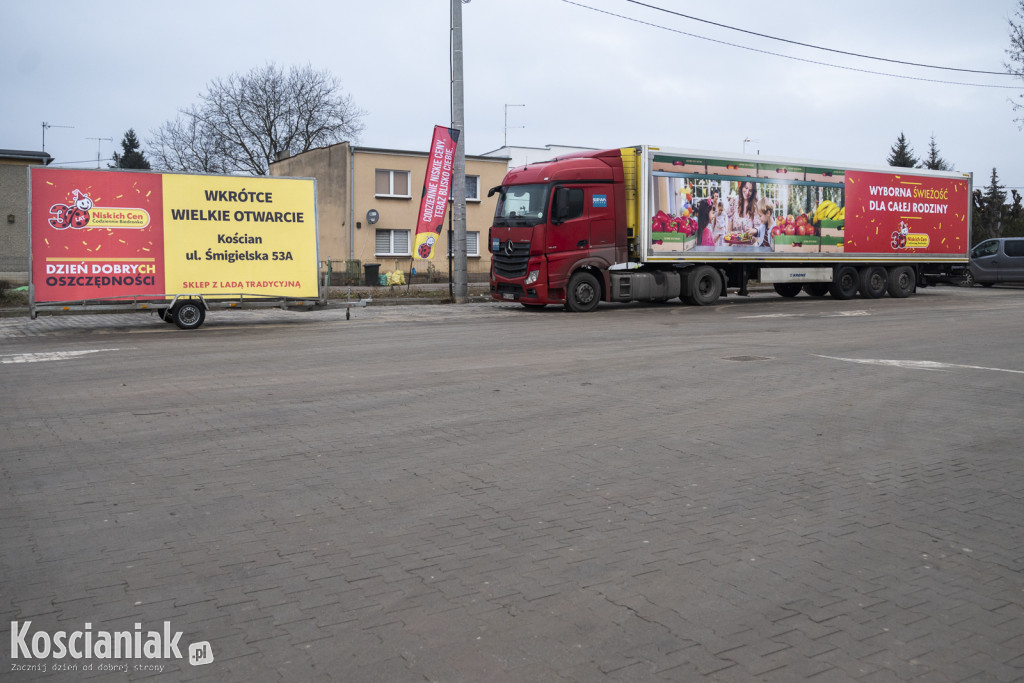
(437, 185)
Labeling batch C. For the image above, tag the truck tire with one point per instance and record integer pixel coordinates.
(967, 279)
(844, 283)
(189, 315)
(703, 286)
(873, 281)
(788, 289)
(901, 282)
(816, 288)
(583, 294)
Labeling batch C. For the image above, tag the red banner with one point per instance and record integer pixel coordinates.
(906, 213)
(437, 184)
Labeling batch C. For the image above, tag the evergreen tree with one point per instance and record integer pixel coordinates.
(990, 210)
(1013, 226)
(131, 157)
(934, 161)
(901, 153)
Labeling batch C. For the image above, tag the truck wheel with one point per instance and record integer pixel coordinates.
(901, 282)
(816, 288)
(844, 283)
(788, 289)
(967, 279)
(873, 281)
(584, 293)
(189, 315)
(703, 286)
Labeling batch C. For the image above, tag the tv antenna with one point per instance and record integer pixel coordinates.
(506, 120)
(99, 141)
(50, 125)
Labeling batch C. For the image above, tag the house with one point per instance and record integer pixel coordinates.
(14, 211)
(368, 200)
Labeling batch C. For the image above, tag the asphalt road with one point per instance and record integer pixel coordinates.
(769, 489)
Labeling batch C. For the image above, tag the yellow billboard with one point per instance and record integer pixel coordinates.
(226, 235)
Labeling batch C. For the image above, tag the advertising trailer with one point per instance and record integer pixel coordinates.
(175, 244)
(648, 223)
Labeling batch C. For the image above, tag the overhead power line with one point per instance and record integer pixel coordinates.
(818, 47)
(777, 54)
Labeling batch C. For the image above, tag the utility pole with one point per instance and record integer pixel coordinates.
(50, 125)
(99, 141)
(460, 276)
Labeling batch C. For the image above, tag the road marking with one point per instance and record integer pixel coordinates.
(843, 314)
(42, 357)
(919, 364)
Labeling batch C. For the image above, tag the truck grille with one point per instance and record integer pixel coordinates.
(514, 264)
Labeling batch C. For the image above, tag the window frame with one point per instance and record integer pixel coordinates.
(469, 254)
(477, 197)
(391, 183)
(391, 242)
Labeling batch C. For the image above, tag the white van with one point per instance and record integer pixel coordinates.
(996, 261)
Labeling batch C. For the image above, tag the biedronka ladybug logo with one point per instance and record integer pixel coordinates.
(74, 215)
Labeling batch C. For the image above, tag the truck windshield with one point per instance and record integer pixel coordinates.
(521, 205)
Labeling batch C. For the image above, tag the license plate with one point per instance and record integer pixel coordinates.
(509, 296)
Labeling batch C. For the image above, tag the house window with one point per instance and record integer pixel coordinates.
(472, 244)
(392, 243)
(391, 183)
(472, 188)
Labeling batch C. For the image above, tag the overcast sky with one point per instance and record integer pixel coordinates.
(587, 78)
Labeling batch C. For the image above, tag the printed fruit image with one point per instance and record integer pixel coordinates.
(828, 210)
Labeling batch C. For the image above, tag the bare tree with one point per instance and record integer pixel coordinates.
(244, 121)
(1016, 53)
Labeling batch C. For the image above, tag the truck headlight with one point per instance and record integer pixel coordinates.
(532, 276)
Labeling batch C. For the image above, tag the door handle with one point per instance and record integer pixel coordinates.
(581, 244)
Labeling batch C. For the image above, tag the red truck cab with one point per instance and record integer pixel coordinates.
(559, 221)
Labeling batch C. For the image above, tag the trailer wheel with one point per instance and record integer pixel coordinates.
(844, 283)
(165, 315)
(583, 294)
(703, 286)
(189, 315)
(901, 282)
(816, 288)
(873, 281)
(788, 289)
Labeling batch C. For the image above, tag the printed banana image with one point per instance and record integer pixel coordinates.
(829, 210)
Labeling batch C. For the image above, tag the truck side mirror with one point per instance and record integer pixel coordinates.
(496, 188)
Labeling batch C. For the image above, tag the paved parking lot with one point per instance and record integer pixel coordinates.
(765, 490)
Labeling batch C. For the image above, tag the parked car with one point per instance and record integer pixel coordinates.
(995, 261)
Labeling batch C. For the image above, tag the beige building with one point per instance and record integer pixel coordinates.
(14, 211)
(367, 203)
